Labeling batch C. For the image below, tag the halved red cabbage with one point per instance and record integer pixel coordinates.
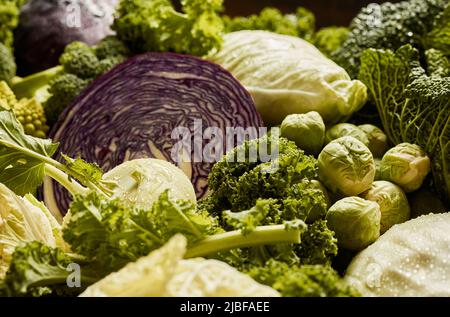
(131, 111)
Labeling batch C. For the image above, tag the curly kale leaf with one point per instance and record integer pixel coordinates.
(389, 26)
(112, 235)
(155, 25)
(414, 107)
(301, 23)
(237, 184)
(318, 246)
(38, 270)
(301, 281)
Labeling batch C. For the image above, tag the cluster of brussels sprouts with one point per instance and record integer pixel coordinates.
(366, 180)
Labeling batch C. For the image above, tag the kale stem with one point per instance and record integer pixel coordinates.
(70, 184)
(262, 235)
(63, 173)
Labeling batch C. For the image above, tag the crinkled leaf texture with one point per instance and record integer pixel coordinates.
(22, 221)
(164, 273)
(113, 234)
(414, 107)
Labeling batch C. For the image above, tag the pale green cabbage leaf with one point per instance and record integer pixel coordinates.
(22, 220)
(286, 75)
(164, 273)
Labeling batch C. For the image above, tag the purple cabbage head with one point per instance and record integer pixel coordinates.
(47, 26)
(154, 105)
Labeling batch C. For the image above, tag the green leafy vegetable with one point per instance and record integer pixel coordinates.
(9, 19)
(413, 106)
(318, 246)
(437, 63)
(301, 281)
(155, 25)
(8, 65)
(80, 63)
(23, 220)
(301, 23)
(389, 26)
(25, 160)
(113, 235)
(38, 270)
(439, 36)
(247, 220)
(330, 39)
(237, 185)
(20, 163)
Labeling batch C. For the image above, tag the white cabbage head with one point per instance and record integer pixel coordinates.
(286, 75)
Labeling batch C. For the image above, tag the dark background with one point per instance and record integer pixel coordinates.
(327, 12)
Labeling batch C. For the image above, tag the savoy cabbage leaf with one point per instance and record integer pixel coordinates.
(414, 107)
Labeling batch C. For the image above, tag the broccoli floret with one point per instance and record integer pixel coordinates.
(7, 64)
(63, 89)
(108, 63)
(329, 39)
(301, 281)
(110, 47)
(29, 112)
(57, 87)
(80, 59)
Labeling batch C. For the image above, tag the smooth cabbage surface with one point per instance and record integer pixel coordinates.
(286, 75)
(140, 182)
(410, 259)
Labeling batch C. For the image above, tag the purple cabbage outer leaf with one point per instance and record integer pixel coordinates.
(47, 26)
(131, 111)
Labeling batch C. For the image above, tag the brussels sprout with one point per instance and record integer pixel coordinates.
(393, 203)
(378, 141)
(306, 130)
(346, 166)
(406, 165)
(346, 129)
(355, 221)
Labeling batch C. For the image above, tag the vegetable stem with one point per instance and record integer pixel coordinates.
(26, 87)
(60, 171)
(272, 234)
(71, 185)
